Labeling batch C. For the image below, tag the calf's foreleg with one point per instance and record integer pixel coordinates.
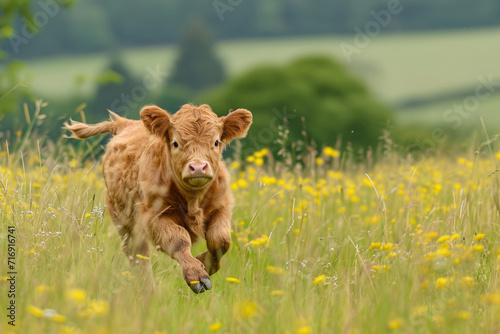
(175, 241)
(218, 237)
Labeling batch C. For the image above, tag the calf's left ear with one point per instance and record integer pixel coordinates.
(236, 125)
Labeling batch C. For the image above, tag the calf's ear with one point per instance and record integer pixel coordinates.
(236, 125)
(156, 120)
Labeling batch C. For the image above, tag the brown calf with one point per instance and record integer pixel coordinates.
(166, 182)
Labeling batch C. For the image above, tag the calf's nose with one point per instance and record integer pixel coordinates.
(198, 169)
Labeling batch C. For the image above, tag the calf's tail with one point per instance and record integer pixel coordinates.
(81, 130)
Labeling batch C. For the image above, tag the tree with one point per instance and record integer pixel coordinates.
(116, 91)
(18, 25)
(332, 102)
(197, 66)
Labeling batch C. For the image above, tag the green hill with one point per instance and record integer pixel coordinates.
(397, 67)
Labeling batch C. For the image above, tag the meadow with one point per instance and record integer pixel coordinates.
(334, 244)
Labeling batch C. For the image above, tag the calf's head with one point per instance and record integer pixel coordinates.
(195, 138)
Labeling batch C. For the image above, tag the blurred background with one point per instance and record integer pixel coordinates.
(417, 74)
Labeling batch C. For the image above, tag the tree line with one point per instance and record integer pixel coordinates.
(94, 25)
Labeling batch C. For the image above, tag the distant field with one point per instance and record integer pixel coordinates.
(438, 115)
(396, 66)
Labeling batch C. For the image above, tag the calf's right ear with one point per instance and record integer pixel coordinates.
(156, 120)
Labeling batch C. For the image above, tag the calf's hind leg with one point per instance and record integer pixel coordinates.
(134, 243)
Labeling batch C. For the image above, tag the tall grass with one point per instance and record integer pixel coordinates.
(339, 246)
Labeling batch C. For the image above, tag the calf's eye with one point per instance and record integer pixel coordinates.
(176, 144)
(216, 143)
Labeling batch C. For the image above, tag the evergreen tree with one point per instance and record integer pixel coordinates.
(197, 66)
(115, 91)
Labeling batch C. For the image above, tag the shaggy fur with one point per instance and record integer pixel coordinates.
(151, 194)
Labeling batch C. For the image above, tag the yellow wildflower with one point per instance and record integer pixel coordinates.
(303, 330)
(334, 175)
(391, 255)
(260, 241)
(350, 192)
(467, 281)
(77, 295)
(329, 151)
(215, 327)
(436, 188)
(99, 307)
(42, 288)
(378, 268)
(443, 251)
(275, 270)
(479, 236)
(319, 279)
(37, 312)
(386, 246)
(259, 154)
(432, 235)
(463, 315)
(242, 183)
(395, 324)
(246, 310)
(58, 318)
(354, 199)
(441, 283)
(232, 280)
(443, 238)
(478, 248)
(127, 274)
(235, 165)
(491, 299)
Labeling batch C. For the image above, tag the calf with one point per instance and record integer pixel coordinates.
(166, 182)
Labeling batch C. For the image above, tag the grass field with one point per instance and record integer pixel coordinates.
(396, 66)
(395, 246)
(434, 115)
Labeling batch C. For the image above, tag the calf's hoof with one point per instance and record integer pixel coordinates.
(200, 286)
(196, 276)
